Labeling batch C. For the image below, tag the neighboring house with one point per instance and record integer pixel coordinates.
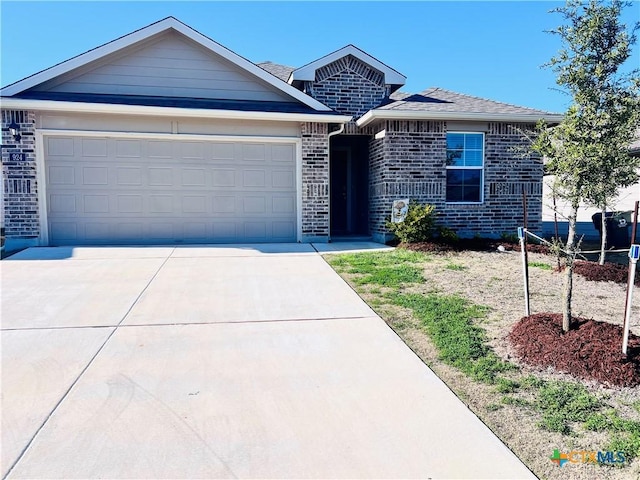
(165, 136)
(625, 202)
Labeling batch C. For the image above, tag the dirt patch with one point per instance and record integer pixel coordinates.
(590, 350)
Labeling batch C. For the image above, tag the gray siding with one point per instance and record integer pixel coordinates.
(168, 65)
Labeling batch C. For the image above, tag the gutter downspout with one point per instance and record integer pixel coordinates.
(331, 134)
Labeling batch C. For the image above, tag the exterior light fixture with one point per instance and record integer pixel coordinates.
(14, 130)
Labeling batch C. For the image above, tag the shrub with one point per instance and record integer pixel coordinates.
(448, 235)
(418, 226)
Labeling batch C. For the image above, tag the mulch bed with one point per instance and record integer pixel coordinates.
(591, 350)
(471, 244)
(609, 272)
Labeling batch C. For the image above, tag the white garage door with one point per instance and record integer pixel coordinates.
(148, 191)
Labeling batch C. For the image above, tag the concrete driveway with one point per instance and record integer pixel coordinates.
(219, 361)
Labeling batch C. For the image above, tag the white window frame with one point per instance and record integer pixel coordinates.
(481, 168)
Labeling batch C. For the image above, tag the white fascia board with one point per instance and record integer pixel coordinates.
(145, 33)
(373, 115)
(119, 109)
(308, 72)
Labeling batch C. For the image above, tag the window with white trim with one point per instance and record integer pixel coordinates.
(465, 167)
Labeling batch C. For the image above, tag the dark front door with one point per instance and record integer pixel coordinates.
(349, 182)
(341, 200)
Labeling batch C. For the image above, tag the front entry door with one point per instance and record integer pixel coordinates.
(349, 185)
(341, 202)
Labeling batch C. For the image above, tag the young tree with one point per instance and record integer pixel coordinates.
(587, 151)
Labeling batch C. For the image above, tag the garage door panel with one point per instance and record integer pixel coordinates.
(128, 148)
(62, 175)
(224, 231)
(255, 231)
(283, 154)
(94, 147)
(225, 204)
(61, 203)
(192, 150)
(223, 177)
(60, 146)
(254, 205)
(283, 230)
(283, 179)
(223, 151)
(254, 153)
(158, 149)
(128, 176)
(283, 205)
(129, 204)
(129, 231)
(65, 231)
(162, 231)
(161, 204)
(194, 204)
(150, 191)
(195, 231)
(96, 204)
(162, 177)
(254, 179)
(96, 232)
(194, 177)
(95, 176)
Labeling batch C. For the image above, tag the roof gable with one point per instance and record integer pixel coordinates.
(126, 57)
(308, 72)
(166, 65)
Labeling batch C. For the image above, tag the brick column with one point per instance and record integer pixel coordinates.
(315, 182)
(20, 187)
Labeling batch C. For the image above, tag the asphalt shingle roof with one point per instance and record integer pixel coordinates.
(277, 70)
(445, 101)
(177, 102)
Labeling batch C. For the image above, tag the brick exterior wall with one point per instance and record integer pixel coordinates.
(19, 183)
(409, 162)
(348, 86)
(315, 182)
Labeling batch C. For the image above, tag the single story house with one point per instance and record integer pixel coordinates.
(164, 136)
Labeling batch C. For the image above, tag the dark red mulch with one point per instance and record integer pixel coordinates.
(609, 272)
(591, 350)
(471, 244)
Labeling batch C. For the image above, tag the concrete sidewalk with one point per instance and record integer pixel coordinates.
(248, 361)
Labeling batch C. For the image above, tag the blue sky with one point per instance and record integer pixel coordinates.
(489, 49)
